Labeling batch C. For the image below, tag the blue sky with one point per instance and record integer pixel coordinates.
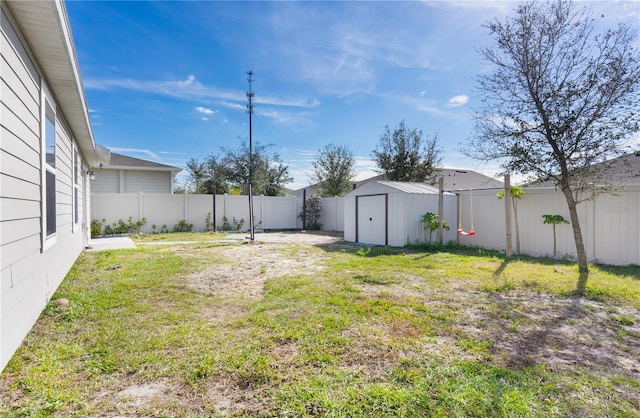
(166, 81)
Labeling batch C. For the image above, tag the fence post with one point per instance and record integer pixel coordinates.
(459, 208)
(140, 205)
(335, 206)
(213, 217)
(507, 213)
(440, 209)
(184, 207)
(261, 222)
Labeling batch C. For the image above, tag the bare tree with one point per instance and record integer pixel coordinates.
(333, 170)
(404, 155)
(563, 97)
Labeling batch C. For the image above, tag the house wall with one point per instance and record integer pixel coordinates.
(30, 272)
(107, 181)
(132, 181)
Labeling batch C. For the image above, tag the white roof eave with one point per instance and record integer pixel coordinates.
(45, 25)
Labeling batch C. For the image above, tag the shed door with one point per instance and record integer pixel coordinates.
(371, 219)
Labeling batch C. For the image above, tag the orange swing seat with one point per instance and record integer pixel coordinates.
(461, 231)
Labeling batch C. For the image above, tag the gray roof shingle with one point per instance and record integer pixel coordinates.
(119, 160)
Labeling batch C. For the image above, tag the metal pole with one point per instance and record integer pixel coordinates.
(250, 110)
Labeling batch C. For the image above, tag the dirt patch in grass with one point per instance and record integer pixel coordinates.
(221, 396)
(243, 269)
(525, 328)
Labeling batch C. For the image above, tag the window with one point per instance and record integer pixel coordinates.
(75, 192)
(48, 141)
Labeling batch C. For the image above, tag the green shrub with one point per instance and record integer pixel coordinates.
(208, 222)
(234, 226)
(311, 212)
(183, 226)
(96, 228)
(122, 227)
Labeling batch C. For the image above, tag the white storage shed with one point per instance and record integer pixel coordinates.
(390, 213)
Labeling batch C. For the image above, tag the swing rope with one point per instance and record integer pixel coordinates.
(462, 231)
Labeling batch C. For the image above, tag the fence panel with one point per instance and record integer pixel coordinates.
(280, 212)
(166, 210)
(617, 227)
(610, 223)
(114, 206)
(332, 214)
(163, 211)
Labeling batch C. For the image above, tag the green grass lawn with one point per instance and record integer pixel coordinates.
(213, 327)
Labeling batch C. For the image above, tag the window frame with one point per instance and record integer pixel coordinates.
(75, 186)
(48, 113)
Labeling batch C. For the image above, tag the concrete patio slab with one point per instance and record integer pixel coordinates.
(110, 243)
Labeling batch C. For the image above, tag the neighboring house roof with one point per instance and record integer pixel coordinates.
(459, 179)
(620, 171)
(123, 162)
(45, 24)
(454, 179)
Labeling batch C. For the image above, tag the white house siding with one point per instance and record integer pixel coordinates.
(147, 181)
(107, 181)
(29, 274)
(131, 181)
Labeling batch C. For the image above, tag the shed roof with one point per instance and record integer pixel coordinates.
(383, 186)
(415, 188)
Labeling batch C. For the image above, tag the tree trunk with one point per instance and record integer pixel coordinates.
(577, 232)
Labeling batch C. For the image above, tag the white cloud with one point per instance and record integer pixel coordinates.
(142, 153)
(192, 89)
(205, 110)
(190, 79)
(457, 101)
(173, 153)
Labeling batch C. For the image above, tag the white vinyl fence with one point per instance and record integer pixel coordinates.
(168, 209)
(610, 224)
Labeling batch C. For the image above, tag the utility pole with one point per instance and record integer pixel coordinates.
(250, 110)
